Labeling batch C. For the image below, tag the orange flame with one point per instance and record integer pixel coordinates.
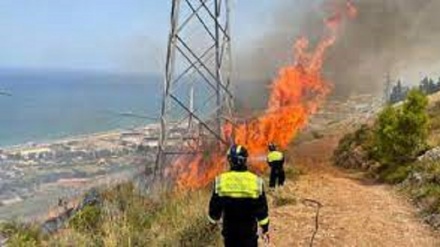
(296, 93)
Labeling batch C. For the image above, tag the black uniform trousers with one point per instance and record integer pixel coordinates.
(231, 241)
(277, 176)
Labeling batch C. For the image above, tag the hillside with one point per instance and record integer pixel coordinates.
(355, 211)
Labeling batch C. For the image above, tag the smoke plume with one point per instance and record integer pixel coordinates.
(399, 37)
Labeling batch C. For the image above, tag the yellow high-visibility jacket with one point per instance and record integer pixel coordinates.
(275, 159)
(239, 198)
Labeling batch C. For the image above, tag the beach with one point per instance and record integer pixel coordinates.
(35, 176)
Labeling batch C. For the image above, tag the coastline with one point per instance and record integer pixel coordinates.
(74, 138)
(34, 176)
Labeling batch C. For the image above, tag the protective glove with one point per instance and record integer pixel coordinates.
(266, 238)
(212, 227)
(265, 234)
(213, 224)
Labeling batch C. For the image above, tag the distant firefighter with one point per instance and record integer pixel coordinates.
(239, 199)
(275, 160)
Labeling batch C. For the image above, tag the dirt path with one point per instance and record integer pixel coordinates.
(354, 212)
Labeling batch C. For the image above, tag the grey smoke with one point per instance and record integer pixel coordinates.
(389, 36)
(256, 63)
(400, 37)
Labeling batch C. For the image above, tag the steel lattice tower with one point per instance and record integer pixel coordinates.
(197, 97)
(387, 90)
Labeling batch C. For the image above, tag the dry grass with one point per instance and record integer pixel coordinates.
(354, 213)
(282, 196)
(125, 218)
(129, 219)
(20, 234)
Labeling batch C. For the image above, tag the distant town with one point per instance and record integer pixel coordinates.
(31, 171)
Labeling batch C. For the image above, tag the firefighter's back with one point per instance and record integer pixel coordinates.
(239, 199)
(240, 191)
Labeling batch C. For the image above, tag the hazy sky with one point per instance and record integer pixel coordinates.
(109, 35)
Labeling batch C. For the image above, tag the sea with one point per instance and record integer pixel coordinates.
(40, 106)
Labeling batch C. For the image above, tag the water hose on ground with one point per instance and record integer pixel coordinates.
(307, 202)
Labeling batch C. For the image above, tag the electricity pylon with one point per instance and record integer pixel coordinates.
(387, 90)
(197, 98)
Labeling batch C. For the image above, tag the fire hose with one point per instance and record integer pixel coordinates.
(318, 206)
(306, 202)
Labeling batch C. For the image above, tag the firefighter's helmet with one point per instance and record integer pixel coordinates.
(237, 155)
(272, 147)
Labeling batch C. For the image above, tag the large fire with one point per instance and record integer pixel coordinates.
(296, 94)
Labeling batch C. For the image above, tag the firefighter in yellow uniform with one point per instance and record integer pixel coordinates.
(239, 199)
(275, 159)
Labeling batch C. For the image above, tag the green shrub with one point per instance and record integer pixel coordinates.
(20, 234)
(428, 197)
(345, 146)
(398, 136)
(401, 133)
(395, 174)
(354, 149)
(345, 143)
(87, 220)
(385, 134)
(361, 137)
(430, 169)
